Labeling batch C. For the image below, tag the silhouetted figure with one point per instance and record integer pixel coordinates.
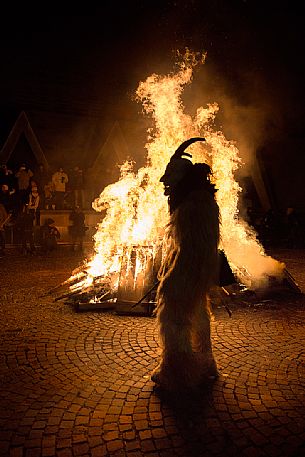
(5, 197)
(4, 217)
(34, 205)
(41, 177)
(49, 196)
(7, 177)
(78, 228)
(49, 236)
(293, 228)
(59, 180)
(189, 270)
(23, 176)
(271, 228)
(24, 224)
(77, 187)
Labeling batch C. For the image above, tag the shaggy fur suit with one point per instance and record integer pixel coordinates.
(189, 270)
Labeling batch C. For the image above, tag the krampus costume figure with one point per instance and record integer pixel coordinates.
(188, 272)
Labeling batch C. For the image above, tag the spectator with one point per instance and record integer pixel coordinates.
(4, 217)
(49, 236)
(5, 197)
(77, 187)
(23, 176)
(293, 228)
(41, 178)
(33, 183)
(78, 228)
(24, 225)
(34, 204)
(49, 196)
(271, 228)
(92, 189)
(7, 177)
(59, 180)
(9, 200)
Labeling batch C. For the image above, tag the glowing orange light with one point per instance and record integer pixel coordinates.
(136, 209)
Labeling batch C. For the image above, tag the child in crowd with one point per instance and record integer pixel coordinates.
(49, 196)
(49, 235)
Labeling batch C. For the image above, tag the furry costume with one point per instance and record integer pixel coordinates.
(189, 270)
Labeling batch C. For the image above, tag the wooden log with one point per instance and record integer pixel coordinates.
(291, 282)
(94, 306)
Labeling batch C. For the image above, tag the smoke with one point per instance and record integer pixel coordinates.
(247, 114)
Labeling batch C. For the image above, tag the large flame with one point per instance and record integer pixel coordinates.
(136, 210)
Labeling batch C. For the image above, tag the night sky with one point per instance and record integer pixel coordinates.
(95, 59)
(70, 71)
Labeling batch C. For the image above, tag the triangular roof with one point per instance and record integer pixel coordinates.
(112, 153)
(22, 126)
(116, 145)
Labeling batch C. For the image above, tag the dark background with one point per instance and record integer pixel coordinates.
(75, 74)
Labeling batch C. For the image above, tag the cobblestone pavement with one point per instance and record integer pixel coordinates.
(78, 384)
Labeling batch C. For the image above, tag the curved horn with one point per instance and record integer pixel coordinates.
(180, 150)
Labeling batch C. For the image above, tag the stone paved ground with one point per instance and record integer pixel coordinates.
(77, 384)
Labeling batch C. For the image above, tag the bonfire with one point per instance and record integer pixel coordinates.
(128, 243)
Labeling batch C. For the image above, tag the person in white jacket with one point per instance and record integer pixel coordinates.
(59, 180)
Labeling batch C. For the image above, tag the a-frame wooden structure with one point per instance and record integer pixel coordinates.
(22, 126)
(115, 147)
(113, 152)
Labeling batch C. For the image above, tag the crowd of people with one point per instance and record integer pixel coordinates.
(24, 193)
(279, 228)
(49, 190)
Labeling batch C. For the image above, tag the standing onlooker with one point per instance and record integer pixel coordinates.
(7, 177)
(292, 228)
(24, 225)
(49, 196)
(78, 228)
(33, 183)
(23, 176)
(59, 180)
(34, 205)
(10, 200)
(41, 177)
(3, 219)
(89, 187)
(5, 197)
(77, 187)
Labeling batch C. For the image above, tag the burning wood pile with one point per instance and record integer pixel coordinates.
(135, 292)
